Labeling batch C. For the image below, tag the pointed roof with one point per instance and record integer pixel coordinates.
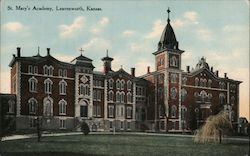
(168, 39)
(107, 58)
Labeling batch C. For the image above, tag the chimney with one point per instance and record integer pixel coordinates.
(225, 75)
(48, 51)
(148, 69)
(212, 68)
(18, 51)
(133, 72)
(217, 73)
(188, 69)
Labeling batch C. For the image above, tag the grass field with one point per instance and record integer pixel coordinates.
(120, 145)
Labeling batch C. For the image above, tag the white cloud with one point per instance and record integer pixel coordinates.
(157, 29)
(68, 31)
(177, 23)
(191, 16)
(14, 26)
(128, 33)
(204, 34)
(97, 44)
(5, 82)
(100, 25)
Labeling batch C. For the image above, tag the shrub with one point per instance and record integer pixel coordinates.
(85, 128)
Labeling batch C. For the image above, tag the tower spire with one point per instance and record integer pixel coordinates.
(168, 14)
(107, 53)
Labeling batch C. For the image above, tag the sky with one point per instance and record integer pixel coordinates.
(130, 30)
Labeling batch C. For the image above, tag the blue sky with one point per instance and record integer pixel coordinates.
(130, 30)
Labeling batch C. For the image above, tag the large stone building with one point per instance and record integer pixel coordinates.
(167, 99)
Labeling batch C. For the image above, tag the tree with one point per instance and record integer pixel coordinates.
(85, 128)
(214, 128)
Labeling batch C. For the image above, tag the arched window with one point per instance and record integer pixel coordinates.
(129, 85)
(173, 93)
(122, 84)
(174, 61)
(209, 97)
(11, 106)
(62, 87)
(45, 70)
(32, 105)
(173, 78)
(129, 97)
(33, 84)
(111, 96)
(222, 98)
(118, 97)
(62, 107)
(184, 81)
(84, 89)
(122, 96)
(201, 83)
(203, 95)
(118, 84)
(197, 96)
(183, 112)
(196, 81)
(111, 81)
(161, 110)
(173, 111)
(51, 70)
(83, 108)
(209, 83)
(65, 73)
(111, 111)
(48, 106)
(183, 94)
(60, 73)
(48, 86)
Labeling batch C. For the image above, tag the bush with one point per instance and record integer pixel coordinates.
(85, 128)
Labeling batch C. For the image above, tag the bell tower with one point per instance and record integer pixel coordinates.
(168, 67)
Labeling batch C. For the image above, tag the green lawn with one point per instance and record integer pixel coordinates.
(120, 145)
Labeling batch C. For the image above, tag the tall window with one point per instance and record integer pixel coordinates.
(174, 61)
(129, 112)
(62, 107)
(201, 82)
(232, 100)
(65, 73)
(111, 96)
(129, 97)
(60, 73)
(122, 84)
(209, 97)
(33, 84)
(197, 96)
(30, 69)
(118, 97)
(209, 83)
(11, 106)
(173, 111)
(222, 98)
(203, 95)
(204, 82)
(48, 70)
(173, 78)
(111, 83)
(32, 106)
(118, 84)
(183, 112)
(122, 96)
(48, 86)
(48, 106)
(84, 89)
(173, 93)
(183, 94)
(111, 111)
(161, 111)
(62, 87)
(83, 108)
(184, 81)
(129, 85)
(196, 81)
(62, 123)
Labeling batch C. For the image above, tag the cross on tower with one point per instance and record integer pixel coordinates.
(81, 50)
(168, 14)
